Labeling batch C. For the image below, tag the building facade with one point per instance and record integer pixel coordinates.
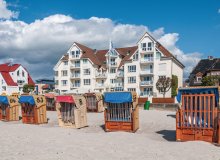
(205, 67)
(135, 68)
(13, 77)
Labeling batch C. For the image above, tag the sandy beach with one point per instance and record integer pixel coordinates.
(154, 140)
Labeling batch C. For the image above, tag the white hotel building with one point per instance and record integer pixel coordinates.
(135, 68)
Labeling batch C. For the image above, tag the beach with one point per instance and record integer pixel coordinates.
(154, 140)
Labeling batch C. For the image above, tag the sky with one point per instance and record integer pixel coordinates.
(37, 33)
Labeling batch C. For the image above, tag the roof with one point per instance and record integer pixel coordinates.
(89, 53)
(127, 52)
(7, 77)
(8, 68)
(207, 64)
(30, 80)
(65, 57)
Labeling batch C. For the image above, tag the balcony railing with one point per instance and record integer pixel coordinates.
(149, 71)
(120, 74)
(147, 60)
(99, 85)
(100, 75)
(146, 93)
(75, 66)
(147, 49)
(112, 64)
(75, 56)
(76, 85)
(143, 83)
(75, 76)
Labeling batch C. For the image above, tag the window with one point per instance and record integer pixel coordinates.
(85, 61)
(18, 73)
(22, 73)
(112, 81)
(86, 71)
(86, 81)
(77, 83)
(56, 73)
(131, 79)
(132, 68)
(143, 46)
(199, 79)
(57, 82)
(64, 73)
(149, 46)
(75, 54)
(135, 57)
(77, 63)
(65, 63)
(162, 77)
(131, 89)
(112, 70)
(64, 82)
(112, 62)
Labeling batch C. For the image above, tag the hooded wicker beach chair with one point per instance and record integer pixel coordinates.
(94, 102)
(71, 110)
(121, 111)
(33, 109)
(9, 108)
(198, 115)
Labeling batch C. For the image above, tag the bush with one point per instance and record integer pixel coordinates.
(174, 85)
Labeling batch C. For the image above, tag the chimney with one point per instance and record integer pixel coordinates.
(210, 57)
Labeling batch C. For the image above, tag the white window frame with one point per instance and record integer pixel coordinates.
(132, 68)
(132, 79)
(86, 82)
(86, 71)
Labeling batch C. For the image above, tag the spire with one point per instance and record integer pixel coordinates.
(110, 45)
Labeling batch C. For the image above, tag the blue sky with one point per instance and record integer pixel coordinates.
(197, 21)
(45, 29)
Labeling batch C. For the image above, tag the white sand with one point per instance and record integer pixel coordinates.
(154, 140)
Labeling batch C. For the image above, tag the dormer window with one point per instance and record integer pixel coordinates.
(144, 46)
(149, 46)
(75, 54)
(135, 57)
(65, 63)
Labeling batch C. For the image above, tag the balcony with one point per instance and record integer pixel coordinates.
(99, 85)
(146, 72)
(147, 60)
(146, 93)
(120, 74)
(76, 85)
(146, 49)
(146, 83)
(100, 75)
(75, 66)
(112, 64)
(75, 76)
(75, 57)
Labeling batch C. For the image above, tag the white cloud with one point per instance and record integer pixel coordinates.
(5, 13)
(40, 44)
(219, 10)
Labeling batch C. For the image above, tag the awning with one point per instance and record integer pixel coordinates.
(49, 95)
(27, 99)
(4, 100)
(64, 98)
(117, 97)
(196, 90)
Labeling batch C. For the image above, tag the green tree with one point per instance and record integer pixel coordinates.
(210, 80)
(174, 85)
(27, 88)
